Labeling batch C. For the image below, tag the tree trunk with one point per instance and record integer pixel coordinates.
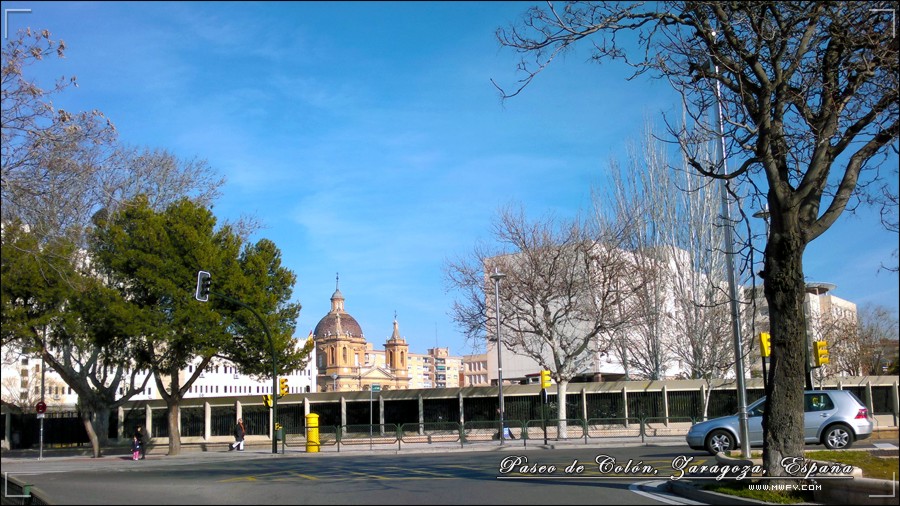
(100, 421)
(92, 436)
(561, 387)
(786, 294)
(174, 434)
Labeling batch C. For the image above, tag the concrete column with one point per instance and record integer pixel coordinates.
(665, 395)
(305, 409)
(238, 411)
(148, 420)
(869, 400)
(421, 414)
(462, 411)
(120, 416)
(703, 399)
(381, 413)
(895, 404)
(343, 411)
(207, 421)
(584, 410)
(625, 400)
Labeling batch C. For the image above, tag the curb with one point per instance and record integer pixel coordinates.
(694, 491)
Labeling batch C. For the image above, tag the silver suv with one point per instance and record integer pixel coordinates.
(835, 418)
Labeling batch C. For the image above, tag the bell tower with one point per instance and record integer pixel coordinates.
(397, 351)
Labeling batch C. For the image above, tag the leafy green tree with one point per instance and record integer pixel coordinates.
(153, 257)
(74, 322)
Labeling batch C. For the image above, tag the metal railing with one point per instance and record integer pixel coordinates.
(631, 429)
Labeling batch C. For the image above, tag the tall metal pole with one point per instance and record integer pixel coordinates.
(43, 348)
(764, 214)
(732, 284)
(274, 364)
(497, 276)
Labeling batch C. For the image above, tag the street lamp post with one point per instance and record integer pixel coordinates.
(732, 284)
(334, 382)
(764, 214)
(497, 276)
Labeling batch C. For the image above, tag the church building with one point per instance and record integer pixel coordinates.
(346, 362)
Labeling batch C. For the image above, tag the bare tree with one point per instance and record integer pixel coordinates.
(24, 389)
(859, 347)
(682, 308)
(49, 155)
(62, 171)
(60, 168)
(809, 102)
(560, 303)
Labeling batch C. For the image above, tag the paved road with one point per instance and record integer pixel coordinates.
(257, 476)
(451, 475)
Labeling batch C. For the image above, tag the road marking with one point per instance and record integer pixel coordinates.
(656, 490)
(884, 446)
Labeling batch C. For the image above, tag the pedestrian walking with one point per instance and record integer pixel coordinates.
(239, 433)
(142, 442)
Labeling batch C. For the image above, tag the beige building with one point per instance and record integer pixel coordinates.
(475, 370)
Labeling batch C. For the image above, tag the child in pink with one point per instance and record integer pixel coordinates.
(135, 449)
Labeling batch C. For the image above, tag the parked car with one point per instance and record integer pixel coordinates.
(835, 418)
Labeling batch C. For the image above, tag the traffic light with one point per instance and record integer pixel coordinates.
(765, 344)
(820, 353)
(267, 400)
(283, 386)
(545, 379)
(203, 281)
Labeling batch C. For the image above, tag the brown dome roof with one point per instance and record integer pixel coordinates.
(328, 324)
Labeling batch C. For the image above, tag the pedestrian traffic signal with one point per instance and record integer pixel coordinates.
(545, 379)
(284, 387)
(267, 400)
(820, 353)
(765, 344)
(204, 279)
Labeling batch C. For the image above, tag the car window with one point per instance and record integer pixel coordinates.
(757, 410)
(818, 402)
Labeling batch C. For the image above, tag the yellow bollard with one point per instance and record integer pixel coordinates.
(312, 433)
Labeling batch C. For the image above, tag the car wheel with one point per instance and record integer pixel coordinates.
(837, 437)
(719, 440)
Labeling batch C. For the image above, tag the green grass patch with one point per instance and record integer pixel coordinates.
(872, 467)
(881, 468)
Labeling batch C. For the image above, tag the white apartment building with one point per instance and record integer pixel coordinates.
(21, 382)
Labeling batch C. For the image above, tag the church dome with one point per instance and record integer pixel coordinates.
(337, 321)
(327, 326)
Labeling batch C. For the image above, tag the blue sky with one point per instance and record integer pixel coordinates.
(368, 138)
